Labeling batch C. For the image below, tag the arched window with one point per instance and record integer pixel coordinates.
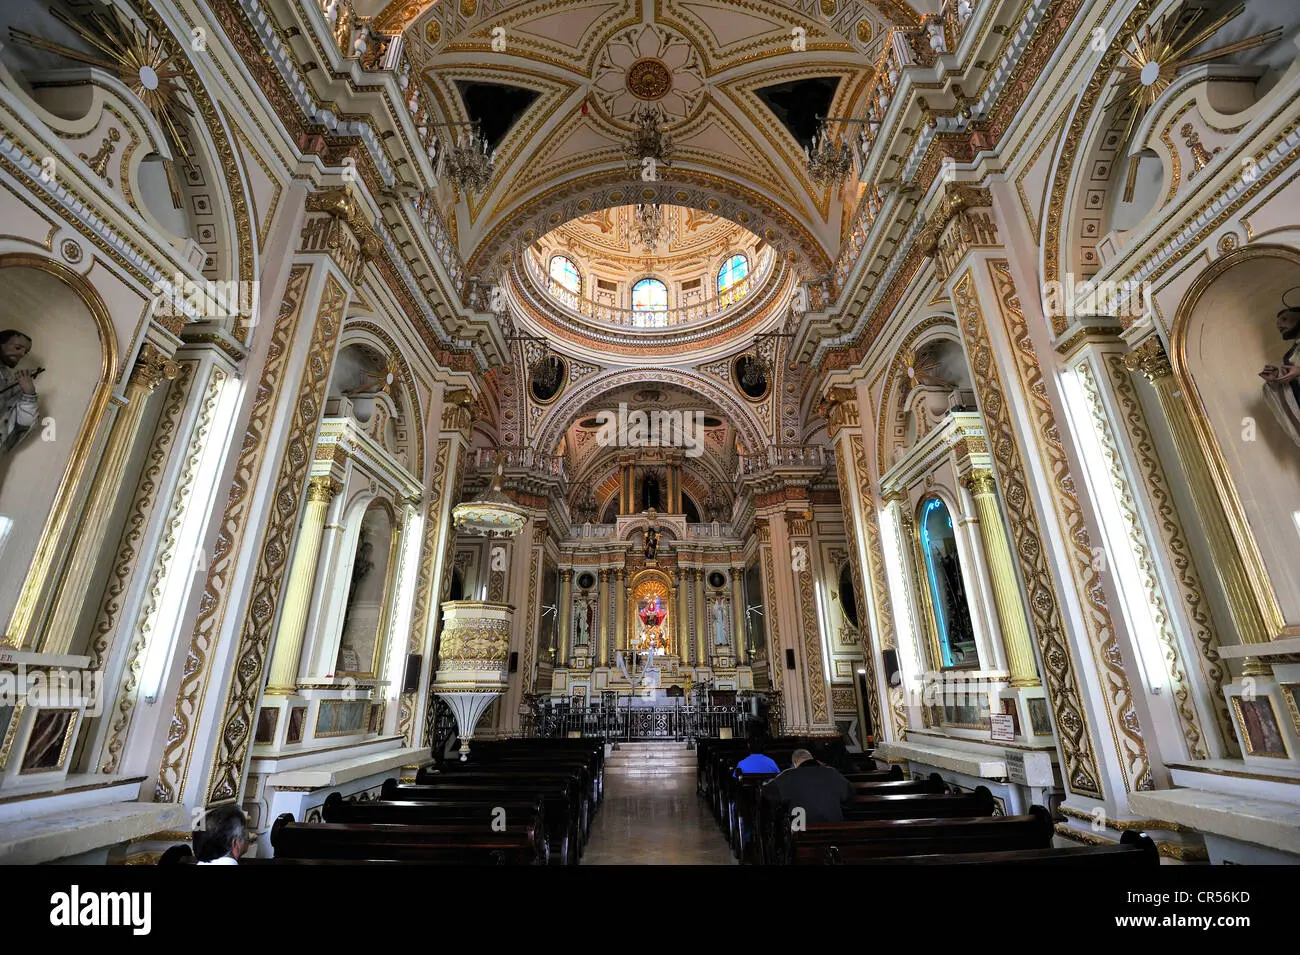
(649, 302)
(565, 274)
(946, 591)
(732, 271)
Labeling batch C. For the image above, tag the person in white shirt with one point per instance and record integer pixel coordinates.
(224, 837)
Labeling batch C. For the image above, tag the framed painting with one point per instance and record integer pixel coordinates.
(1260, 731)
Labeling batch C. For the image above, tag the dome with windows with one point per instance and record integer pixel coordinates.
(649, 266)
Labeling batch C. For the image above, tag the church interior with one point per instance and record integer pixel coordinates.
(506, 409)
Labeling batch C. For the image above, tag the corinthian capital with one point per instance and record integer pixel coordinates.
(152, 367)
(979, 481)
(1150, 359)
(322, 488)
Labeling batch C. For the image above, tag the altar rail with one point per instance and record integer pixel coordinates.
(639, 723)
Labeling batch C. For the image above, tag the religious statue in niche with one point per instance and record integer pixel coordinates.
(586, 611)
(720, 636)
(1282, 384)
(361, 568)
(652, 615)
(651, 542)
(18, 411)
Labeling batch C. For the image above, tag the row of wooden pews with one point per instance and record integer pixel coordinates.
(514, 802)
(890, 820)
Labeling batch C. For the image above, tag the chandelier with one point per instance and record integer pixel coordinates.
(647, 224)
(649, 141)
(468, 162)
(830, 160)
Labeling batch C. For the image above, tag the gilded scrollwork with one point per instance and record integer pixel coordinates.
(235, 521)
(265, 590)
(1078, 751)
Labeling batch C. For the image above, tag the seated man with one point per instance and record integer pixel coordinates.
(819, 791)
(223, 838)
(757, 761)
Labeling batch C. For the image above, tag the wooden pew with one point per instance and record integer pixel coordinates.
(520, 844)
(881, 838)
(1133, 849)
(525, 783)
(743, 810)
(584, 765)
(488, 813)
(543, 750)
(561, 802)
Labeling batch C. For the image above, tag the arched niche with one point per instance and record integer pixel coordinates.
(1224, 332)
(44, 470)
(929, 378)
(370, 584)
(367, 386)
(942, 586)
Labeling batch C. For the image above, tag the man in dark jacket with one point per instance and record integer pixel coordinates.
(819, 791)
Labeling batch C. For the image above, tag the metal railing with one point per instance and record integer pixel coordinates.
(626, 724)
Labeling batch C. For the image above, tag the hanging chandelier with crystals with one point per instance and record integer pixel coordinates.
(649, 140)
(648, 224)
(830, 159)
(469, 162)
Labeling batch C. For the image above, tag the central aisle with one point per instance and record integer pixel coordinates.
(655, 820)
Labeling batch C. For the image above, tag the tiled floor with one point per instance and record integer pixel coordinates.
(655, 820)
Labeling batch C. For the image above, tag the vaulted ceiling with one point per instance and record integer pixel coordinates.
(735, 81)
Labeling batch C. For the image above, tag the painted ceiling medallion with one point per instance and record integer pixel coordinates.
(468, 7)
(828, 8)
(864, 31)
(649, 79)
(433, 32)
(648, 63)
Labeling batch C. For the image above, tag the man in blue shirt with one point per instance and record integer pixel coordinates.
(756, 761)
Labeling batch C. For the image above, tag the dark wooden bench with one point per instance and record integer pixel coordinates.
(518, 844)
(584, 765)
(561, 801)
(1133, 849)
(490, 813)
(881, 838)
(743, 808)
(524, 783)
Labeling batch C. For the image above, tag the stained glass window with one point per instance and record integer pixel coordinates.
(733, 270)
(565, 274)
(649, 296)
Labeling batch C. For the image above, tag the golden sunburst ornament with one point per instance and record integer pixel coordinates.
(141, 61)
(1163, 50)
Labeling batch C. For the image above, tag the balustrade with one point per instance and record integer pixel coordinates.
(611, 314)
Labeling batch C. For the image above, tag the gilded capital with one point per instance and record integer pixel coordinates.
(322, 488)
(1150, 359)
(152, 367)
(979, 481)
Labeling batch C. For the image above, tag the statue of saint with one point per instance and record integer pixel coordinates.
(1282, 384)
(720, 624)
(651, 542)
(17, 390)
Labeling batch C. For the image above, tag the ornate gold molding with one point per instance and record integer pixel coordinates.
(1078, 751)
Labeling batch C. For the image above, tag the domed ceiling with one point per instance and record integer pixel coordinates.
(606, 244)
(740, 87)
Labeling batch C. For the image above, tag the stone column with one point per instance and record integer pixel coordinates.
(701, 621)
(1013, 618)
(301, 586)
(682, 624)
(602, 617)
(564, 616)
(151, 368)
(1229, 564)
(620, 608)
(738, 614)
